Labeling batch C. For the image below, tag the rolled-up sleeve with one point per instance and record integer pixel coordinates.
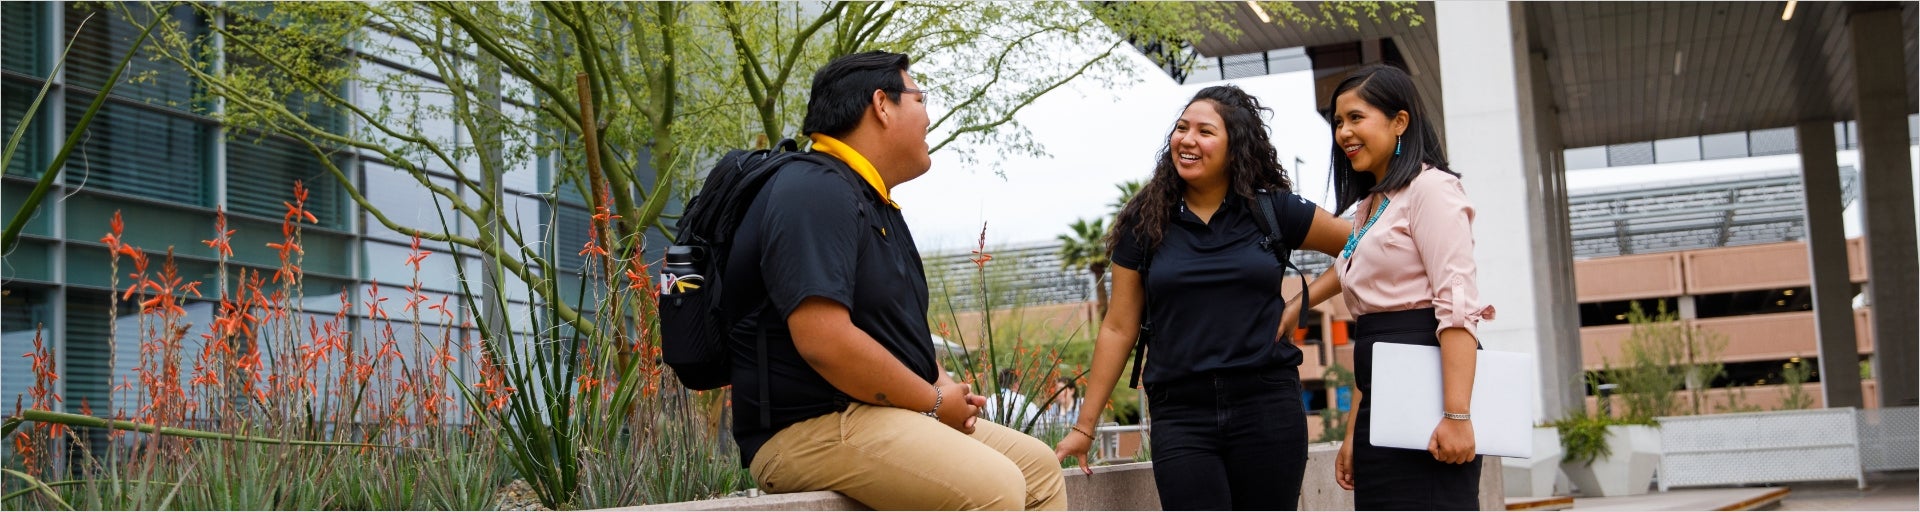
(1441, 222)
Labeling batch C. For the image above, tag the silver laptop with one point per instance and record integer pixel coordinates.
(1406, 399)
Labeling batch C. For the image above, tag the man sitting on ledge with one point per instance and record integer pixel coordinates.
(824, 261)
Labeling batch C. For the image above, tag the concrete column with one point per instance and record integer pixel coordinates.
(1562, 348)
(1886, 174)
(1487, 89)
(1827, 258)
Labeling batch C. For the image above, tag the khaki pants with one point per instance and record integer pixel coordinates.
(895, 459)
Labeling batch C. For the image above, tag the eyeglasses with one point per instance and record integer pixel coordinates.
(924, 94)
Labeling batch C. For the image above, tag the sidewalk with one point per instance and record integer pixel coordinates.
(1899, 490)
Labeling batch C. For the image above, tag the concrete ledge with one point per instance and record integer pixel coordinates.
(1547, 503)
(1117, 487)
(817, 500)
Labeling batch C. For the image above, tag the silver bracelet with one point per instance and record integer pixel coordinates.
(937, 398)
(1457, 416)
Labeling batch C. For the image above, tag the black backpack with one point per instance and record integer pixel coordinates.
(694, 328)
(1268, 203)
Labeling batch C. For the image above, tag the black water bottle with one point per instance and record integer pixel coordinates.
(683, 272)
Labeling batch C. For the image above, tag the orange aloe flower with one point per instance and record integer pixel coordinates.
(221, 235)
(980, 256)
(592, 247)
(414, 258)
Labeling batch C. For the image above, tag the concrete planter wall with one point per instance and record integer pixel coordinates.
(1533, 478)
(1627, 471)
(1118, 487)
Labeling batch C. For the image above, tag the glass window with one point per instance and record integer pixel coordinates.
(400, 196)
(1632, 153)
(1723, 145)
(89, 341)
(14, 195)
(108, 37)
(31, 158)
(410, 105)
(1242, 66)
(30, 260)
(148, 225)
(1586, 158)
(520, 317)
(139, 151)
(261, 171)
(522, 158)
(571, 230)
(26, 314)
(422, 355)
(321, 295)
(1776, 141)
(1684, 149)
(386, 263)
(23, 42)
(395, 49)
(526, 215)
(327, 253)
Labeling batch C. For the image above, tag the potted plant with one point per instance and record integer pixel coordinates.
(1534, 477)
(1606, 456)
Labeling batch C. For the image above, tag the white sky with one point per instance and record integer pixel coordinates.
(1099, 138)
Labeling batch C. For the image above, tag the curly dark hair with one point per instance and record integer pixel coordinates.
(1252, 164)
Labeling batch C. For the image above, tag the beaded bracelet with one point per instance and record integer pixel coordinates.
(937, 398)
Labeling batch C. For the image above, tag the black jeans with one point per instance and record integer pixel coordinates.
(1229, 440)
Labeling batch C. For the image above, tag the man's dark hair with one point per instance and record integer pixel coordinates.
(1009, 379)
(843, 88)
(1391, 90)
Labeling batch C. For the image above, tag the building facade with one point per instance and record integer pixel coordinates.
(155, 156)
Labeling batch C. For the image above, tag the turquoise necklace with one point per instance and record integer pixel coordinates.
(1353, 240)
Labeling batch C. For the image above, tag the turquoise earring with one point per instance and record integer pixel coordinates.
(1396, 145)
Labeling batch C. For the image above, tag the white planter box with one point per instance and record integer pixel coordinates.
(1533, 478)
(1761, 448)
(1628, 471)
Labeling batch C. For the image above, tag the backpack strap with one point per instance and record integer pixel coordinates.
(1146, 324)
(791, 148)
(766, 386)
(1269, 222)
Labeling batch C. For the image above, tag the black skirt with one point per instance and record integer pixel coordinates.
(1394, 478)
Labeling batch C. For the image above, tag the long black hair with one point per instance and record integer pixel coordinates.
(1252, 164)
(1389, 89)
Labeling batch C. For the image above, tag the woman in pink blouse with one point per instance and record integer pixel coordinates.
(1408, 272)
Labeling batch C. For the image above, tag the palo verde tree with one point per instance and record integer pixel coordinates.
(669, 87)
(619, 107)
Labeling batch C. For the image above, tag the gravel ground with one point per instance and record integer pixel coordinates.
(518, 496)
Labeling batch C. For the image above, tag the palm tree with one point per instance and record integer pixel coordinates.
(1084, 247)
(1127, 191)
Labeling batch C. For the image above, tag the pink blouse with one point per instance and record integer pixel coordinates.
(1418, 254)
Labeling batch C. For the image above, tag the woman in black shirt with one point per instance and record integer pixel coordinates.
(1191, 255)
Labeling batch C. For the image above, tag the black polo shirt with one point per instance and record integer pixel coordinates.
(1214, 295)
(812, 233)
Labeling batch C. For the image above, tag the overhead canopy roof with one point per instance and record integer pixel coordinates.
(1639, 71)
